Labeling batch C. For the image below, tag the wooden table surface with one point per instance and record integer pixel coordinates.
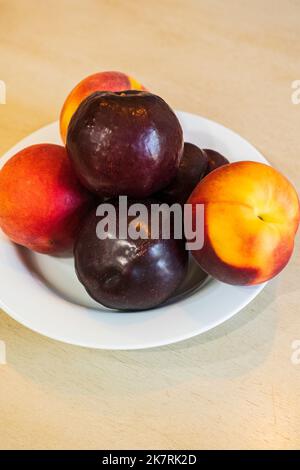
(235, 387)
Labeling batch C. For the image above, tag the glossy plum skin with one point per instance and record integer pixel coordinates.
(127, 143)
(191, 170)
(127, 274)
(215, 160)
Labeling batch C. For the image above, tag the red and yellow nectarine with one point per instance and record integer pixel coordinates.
(251, 218)
(102, 81)
(42, 202)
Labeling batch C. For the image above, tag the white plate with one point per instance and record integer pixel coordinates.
(43, 293)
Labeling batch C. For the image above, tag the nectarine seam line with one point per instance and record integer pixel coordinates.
(233, 203)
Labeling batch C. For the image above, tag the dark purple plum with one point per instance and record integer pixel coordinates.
(128, 274)
(215, 159)
(127, 142)
(191, 170)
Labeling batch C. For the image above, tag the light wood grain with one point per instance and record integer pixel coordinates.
(234, 387)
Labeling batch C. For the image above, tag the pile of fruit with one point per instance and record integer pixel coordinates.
(120, 139)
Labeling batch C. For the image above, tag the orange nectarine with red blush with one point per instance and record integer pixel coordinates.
(102, 81)
(42, 202)
(251, 214)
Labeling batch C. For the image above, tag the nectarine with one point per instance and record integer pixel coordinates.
(42, 202)
(251, 218)
(102, 81)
